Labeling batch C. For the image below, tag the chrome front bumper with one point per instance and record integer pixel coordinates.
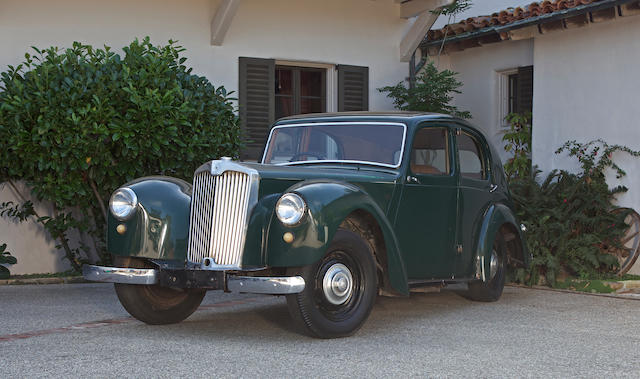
(250, 284)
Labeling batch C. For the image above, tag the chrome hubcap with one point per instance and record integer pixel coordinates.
(495, 264)
(337, 284)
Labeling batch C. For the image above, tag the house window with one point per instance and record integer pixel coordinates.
(270, 89)
(516, 92)
(300, 90)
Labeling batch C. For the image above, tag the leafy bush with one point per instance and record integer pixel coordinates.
(570, 226)
(5, 258)
(518, 142)
(432, 92)
(80, 122)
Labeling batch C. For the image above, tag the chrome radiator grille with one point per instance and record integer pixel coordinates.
(219, 211)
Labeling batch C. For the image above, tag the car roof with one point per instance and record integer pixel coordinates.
(404, 117)
(411, 119)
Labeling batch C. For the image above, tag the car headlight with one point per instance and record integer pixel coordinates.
(290, 209)
(123, 203)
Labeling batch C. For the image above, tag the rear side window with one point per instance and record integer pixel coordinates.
(470, 157)
(430, 152)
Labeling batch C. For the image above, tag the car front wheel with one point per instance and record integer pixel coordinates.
(154, 304)
(340, 289)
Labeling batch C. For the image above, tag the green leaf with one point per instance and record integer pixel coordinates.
(4, 273)
(69, 115)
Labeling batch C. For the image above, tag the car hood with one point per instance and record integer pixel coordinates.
(349, 173)
(378, 182)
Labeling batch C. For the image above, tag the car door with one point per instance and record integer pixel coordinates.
(475, 192)
(426, 218)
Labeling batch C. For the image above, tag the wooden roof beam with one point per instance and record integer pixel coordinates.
(222, 20)
(420, 27)
(413, 8)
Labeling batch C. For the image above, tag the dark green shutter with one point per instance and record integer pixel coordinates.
(353, 88)
(525, 89)
(257, 103)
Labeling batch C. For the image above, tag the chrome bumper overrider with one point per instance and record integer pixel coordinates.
(250, 284)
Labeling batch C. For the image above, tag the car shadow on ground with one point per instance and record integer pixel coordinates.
(269, 316)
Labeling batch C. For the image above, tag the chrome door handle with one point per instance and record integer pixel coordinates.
(412, 179)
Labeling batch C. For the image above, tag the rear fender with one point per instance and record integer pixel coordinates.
(497, 219)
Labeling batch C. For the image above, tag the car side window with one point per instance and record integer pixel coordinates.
(471, 158)
(430, 152)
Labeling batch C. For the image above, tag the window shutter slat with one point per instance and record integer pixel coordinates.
(256, 103)
(353, 88)
(525, 89)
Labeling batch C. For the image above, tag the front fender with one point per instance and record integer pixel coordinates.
(329, 204)
(160, 227)
(496, 216)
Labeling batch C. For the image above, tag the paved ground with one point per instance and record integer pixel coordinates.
(80, 330)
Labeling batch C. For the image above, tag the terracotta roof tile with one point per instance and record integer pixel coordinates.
(506, 17)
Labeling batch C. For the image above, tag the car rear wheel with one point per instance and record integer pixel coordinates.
(154, 304)
(491, 290)
(340, 289)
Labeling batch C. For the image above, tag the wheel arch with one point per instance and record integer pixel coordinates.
(158, 232)
(331, 205)
(365, 224)
(500, 219)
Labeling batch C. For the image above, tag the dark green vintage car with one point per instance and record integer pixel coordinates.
(342, 208)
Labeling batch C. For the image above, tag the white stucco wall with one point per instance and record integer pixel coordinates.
(354, 32)
(28, 241)
(479, 71)
(585, 88)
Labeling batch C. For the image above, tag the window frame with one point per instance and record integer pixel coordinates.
(485, 159)
(256, 81)
(330, 84)
(448, 149)
(503, 95)
(402, 149)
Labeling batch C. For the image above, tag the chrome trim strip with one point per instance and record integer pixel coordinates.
(404, 140)
(266, 285)
(120, 275)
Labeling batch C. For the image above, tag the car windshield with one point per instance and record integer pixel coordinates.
(367, 142)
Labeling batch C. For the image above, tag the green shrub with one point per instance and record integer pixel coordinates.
(5, 259)
(80, 122)
(568, 215)
(518, 143)
(432, 92)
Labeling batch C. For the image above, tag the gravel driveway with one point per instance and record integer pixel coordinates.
(80, 330)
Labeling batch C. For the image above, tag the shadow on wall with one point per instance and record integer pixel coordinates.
(30, 243)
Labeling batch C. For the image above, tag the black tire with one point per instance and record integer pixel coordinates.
(491, 290)
(314, 312)
(154, 304)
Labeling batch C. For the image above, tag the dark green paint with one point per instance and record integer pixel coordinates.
(329, 203)
(473, 200)
(495, 217)
(425, 222)
(421, 224)
(160, 227)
